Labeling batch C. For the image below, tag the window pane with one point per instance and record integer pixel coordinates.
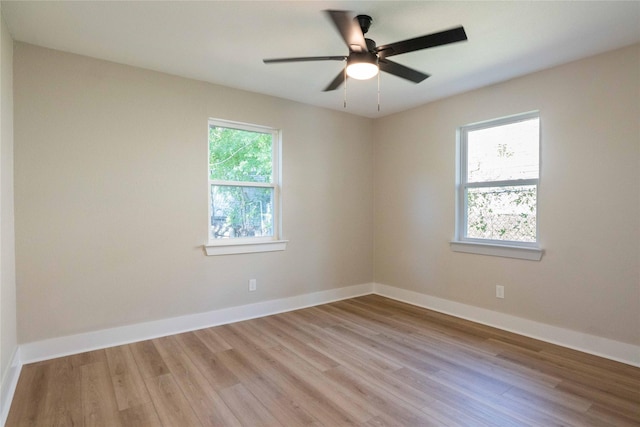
(502, 213)
(238, 211)
(503, 152)
(240, 155)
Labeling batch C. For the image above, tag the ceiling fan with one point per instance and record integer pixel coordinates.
(365, 59)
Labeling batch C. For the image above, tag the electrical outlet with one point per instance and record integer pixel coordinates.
(499, 291)
(253, 285)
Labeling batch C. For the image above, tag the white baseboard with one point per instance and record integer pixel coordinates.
(8, 385)
(599, 346)
(73, 344)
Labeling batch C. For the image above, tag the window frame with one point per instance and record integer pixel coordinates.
(242, 245)
(495, 247)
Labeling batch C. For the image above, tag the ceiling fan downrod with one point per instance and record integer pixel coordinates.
(365, 22)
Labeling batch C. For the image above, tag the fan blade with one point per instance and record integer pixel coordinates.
(423, 42)
(335, 84)
(304, 59)
(349, 29)
(401, 71)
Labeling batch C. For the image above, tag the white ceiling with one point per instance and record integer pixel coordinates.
(224, 42)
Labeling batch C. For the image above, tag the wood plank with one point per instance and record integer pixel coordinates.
(456, 346)
(624, 407)
(88, 357)
(334, 396)
(379, 401)
(148, 360)
(212, 340)
(345, 352)
(201, 395)
(474, 408)
(605, 384)
(207, 363)
(247, 408)
(144, 415)
(251, 330)
(612, 417)
(289, 323)
(27, 408)
(64, 401)
(285, 409)
(317, 359)
(99, 407)
(127, 381)
(281, 376)
(550, 405)
(172, 407)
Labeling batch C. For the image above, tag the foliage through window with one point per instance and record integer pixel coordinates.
(243, 178)
(498, 182)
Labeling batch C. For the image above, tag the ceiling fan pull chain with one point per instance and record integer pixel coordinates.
(378, 92)
(345, 85)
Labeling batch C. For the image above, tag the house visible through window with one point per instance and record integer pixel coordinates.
(243, 184)
(498, 181)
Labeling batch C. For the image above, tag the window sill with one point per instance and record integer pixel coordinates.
(244, 247)
(507, 251)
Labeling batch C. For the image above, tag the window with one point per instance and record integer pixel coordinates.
(244, 191)
(499, 167)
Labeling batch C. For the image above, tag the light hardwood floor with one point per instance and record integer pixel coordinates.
(367, 361)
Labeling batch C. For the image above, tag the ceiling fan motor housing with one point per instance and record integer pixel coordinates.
(368, 57)
(371, 45)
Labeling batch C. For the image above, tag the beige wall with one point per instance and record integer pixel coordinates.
(8, 331)
(111, 196)
(589, 199)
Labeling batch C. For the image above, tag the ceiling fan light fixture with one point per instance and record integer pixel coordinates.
(362, 66)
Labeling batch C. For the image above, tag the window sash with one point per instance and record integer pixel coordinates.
(275, 146)
(254, 216)
(463, 231)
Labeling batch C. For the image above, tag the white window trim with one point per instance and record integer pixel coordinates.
(258, 244)
(509, 249)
